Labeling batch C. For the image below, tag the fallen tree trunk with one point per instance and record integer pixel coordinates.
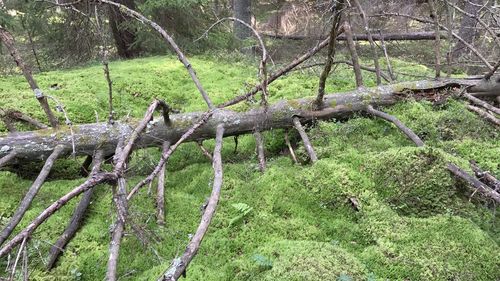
(410, 36)
(38, 145)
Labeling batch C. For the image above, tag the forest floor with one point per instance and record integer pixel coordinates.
(294, 222)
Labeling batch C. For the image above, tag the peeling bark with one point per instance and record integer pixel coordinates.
(37, 145)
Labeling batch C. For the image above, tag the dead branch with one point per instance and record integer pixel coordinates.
(481, 103)
(334, 31)
(160, 194)
(305, 139)
(17, 115)
(204, 118)
(260, 150)
(474, 183)
(437, 45)
(119, 197)
(469, 46)
(485, 176)
(170, 41)
(407, 131)
(7, 158)
(492, 71)
(290, 148)
(30, 195)
(179, 265)
(8, 41)
(78, 215)
(263, 61)
(407, 36)
(205, 151)
(484, 114)
(388, 61)
(354, 54)
(370, 39)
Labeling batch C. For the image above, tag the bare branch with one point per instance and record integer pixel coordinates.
(334, 31)
(205, 151)
(484, 114)
(482, 103)
(30, 195)
(407, 131)
(260, 150)
(78, 215)
(354, 54)
(474, 183)
(290, 148)
(170, 41)
(7, 158)
(305, 139)
(370, 39)
(179, 265)
(8, 41)
(160, 194)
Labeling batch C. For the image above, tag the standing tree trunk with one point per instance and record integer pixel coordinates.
(242, 11)
(123, 31)
(468, 29)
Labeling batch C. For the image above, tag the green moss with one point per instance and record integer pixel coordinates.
(415, 220)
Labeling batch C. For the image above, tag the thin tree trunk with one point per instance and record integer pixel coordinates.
(437, 44)
(467, 29)
(8, 41)
(354, 55)
(242, 11)
(366, 26)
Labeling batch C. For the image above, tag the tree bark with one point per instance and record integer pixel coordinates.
(37, 145)
(123, 30)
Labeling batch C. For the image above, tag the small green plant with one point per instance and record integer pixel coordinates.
(243, 211)
(263, 262)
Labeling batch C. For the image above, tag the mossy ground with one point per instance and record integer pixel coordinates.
(294, 222)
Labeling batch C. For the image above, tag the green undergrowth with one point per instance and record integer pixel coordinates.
(294, 222)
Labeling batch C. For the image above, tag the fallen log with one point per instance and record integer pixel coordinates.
(409, 36)
(38, 145)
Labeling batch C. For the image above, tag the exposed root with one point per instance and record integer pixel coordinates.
(476, 185)
(78, 215)
(30, 195)
(408, 132)
(260, 150)
(305, 139)
(160, 193)
(179, 265)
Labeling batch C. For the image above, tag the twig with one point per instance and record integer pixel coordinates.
(305, 139)
(78, 215)
(485, 176)
(263, 61)
(484, 114)
(30, 195)
(204, 150)
(260, 150)
(387, 59)
(290, 148)
(370, 39)
(407, 131)
(334, 31)
(475, 183)
(179, 265)
(160, 194)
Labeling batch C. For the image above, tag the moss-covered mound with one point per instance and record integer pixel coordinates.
(414, 221)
